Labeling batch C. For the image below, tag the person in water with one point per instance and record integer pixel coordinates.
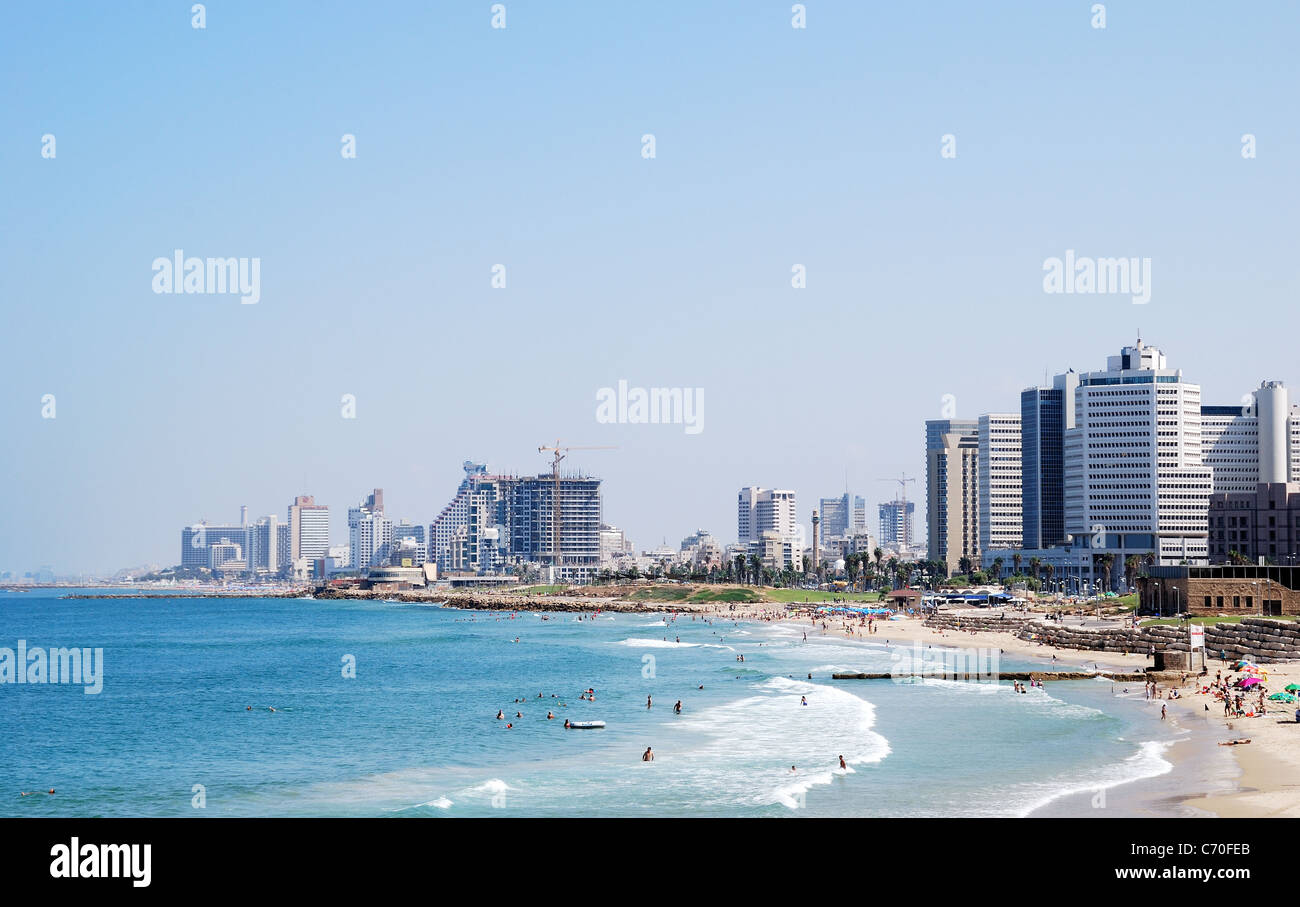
(803, 700)
(501, 714)
(842, 765)
(566, 722)
(648, 755)
(648, 702)
(677, 709)
(550, 715)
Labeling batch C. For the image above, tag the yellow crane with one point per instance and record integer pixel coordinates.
(559, 452)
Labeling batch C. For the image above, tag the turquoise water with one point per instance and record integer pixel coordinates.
(414, 733)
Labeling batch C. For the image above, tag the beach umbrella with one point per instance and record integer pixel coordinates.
(1293, 687)
(1284, 697)
(1250, 681)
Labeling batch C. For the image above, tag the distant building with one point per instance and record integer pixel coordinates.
(495, 521)
(1263, 524)
(309, 528)
(896, 523)
(952, 490)
(1000, 505)
(370, 532)
(840, 516)
(1044, 417)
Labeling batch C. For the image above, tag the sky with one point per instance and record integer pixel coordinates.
(523, 146)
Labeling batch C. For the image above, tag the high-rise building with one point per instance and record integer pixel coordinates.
(952, 490)
(1135, 481)
(896, 524)
(470, 534)
(531, 523)
(197, 540)
(1000, 506)
(370, 533)
(494, 520)
(1045, 413)
(840, 516)
(309, 529)
(766, 510)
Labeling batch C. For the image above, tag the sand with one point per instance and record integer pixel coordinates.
(1269, 766)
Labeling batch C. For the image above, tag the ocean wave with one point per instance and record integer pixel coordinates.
(641, 643)
(752, 743)
(1148, 762)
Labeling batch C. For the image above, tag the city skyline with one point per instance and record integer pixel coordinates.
(775, 148)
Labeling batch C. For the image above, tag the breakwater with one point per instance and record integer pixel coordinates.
(1255, 638)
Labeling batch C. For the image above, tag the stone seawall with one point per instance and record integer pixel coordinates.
(1256, 638)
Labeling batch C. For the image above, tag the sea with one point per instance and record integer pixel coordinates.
(298, 707)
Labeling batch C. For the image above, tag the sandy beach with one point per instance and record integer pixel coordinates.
(1268, 768)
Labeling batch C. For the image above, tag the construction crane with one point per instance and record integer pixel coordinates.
(902, 499)
(902, 487)
(559, 453)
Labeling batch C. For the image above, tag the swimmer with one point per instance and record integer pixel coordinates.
(550, 715)
(677, 709)
(648, 755)
(842, 765)
(500, 714)
(648, 702)
(803, 700)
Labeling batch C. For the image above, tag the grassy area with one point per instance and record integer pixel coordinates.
(1206, 621)
(660, 594)
(800, 596)
(744, 596)
(542, 590)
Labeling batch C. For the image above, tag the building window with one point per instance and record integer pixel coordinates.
(1218, 601)
(1236, 601)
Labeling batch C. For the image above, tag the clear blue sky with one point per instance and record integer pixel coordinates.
(477, 146)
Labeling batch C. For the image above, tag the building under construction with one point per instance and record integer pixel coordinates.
(497, 522)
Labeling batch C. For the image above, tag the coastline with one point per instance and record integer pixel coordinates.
(1260, 779)
(1253, 780)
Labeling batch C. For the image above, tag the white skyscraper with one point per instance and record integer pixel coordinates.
(1000, 521)
(1135, 480)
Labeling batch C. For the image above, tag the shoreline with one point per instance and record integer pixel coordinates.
(1253, 780)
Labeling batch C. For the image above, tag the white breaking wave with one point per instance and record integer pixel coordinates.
(753, 742)
(1148, 762)
(639, 643)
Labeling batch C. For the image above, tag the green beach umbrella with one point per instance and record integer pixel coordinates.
(1284, 697)
(1293, 687)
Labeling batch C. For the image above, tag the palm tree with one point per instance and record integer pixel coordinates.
(964, 566)
(879, 556)
(1049, 569)
(1034, 565)
(756, 566)
(740, 569)
(997, 568)
(1131, 565)
(1107, 561)
(1016, 558)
